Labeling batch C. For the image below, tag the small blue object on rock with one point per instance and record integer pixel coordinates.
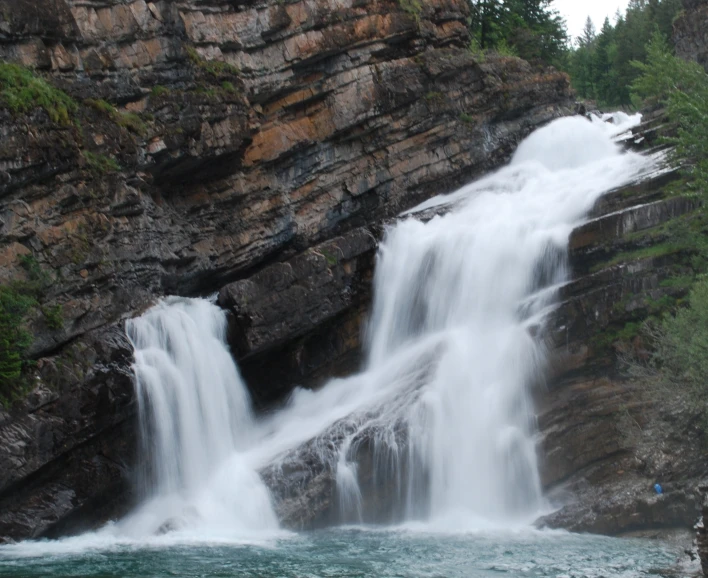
(659, 489)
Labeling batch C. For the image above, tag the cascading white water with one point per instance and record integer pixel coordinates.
(480, 279)
(443, 402)
(196, 421)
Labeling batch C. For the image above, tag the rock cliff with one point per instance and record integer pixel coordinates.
(691, 32)
(153, 148)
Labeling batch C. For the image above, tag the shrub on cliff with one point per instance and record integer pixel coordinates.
(18, 299)
(14, 338)
(679, 359)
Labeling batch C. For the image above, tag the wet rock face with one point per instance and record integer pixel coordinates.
(691, 32)
(254, 147)
(67, 446)
(607, 439)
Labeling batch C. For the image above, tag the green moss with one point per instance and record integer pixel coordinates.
(412, 7)
(15, 305)
(159, 90)
(21, 90)
(128, 120)
(654, 251)
(438, 96)
(101, 164)
(54, 316)
(228, 87)
(100, 105)
(215, 68)
(132, 122)
(329, 257)
(467, 118)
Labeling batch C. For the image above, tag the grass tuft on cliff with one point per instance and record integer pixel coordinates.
(100, 164)
(215, 68)
(21, 90)
(128, 120)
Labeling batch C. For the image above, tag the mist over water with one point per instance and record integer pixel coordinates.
(453, 347)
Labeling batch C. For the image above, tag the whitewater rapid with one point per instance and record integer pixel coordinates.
(453, 348)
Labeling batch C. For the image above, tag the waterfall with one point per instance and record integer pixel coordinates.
(439, 424)
(480, 279)
(195, 424)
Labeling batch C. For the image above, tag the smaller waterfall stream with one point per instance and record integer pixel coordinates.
(196, 421)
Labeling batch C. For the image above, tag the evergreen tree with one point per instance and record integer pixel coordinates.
(529, 28)
(600, 64)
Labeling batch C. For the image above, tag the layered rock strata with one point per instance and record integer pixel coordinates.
(209, 143)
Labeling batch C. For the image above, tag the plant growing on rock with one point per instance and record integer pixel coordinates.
(215, 68)
(14, 338)
(18, 299)
(679, 358)
(22, 91)
(100, 164)
(128, 120)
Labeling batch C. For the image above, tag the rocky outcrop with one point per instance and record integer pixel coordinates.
(607, 437)
(67, 447)
(691, 32)
(210, 144)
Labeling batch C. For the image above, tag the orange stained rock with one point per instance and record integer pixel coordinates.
(272, 142)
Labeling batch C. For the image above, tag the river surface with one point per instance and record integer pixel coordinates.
(348, 552)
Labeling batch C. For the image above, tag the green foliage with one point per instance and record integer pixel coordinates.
(100, 105)
(15, 304)
(653, 251)
(17, 300)
(128, 120)
(132, 122)
(101, 164)
(54, 316)
(466, 118)
(22, 91)
(530, 29)
(476, 50)
(505, 49)
(159, 90)
(683, 86)
(412, 7)
(600, 65)
(215, 68)
(228, 87)
(679, 360)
